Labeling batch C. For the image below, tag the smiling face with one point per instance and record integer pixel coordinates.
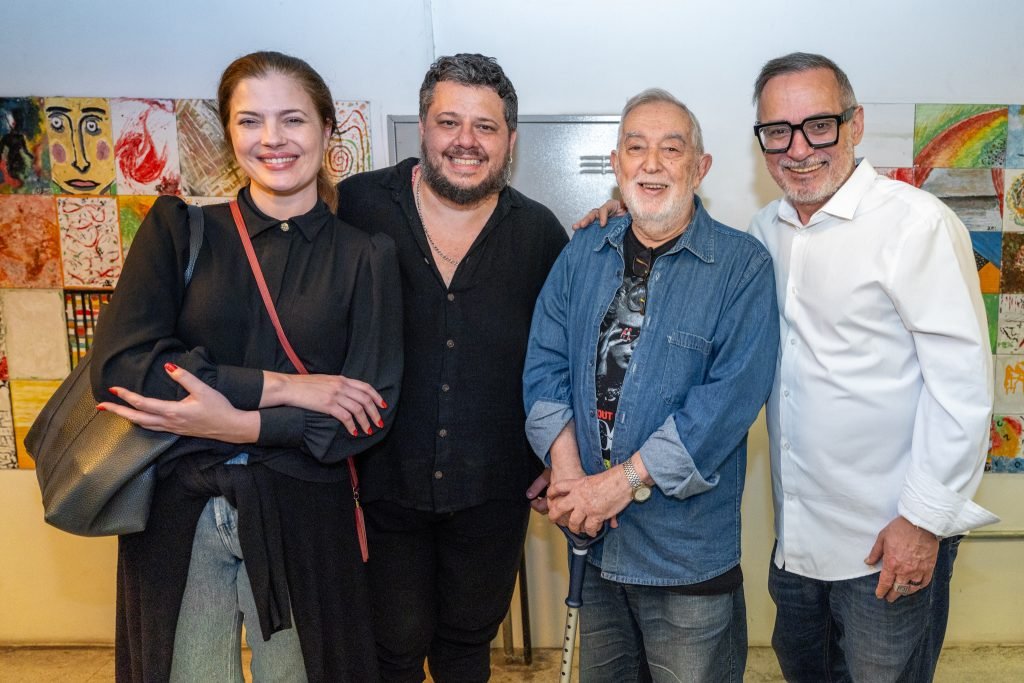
(81, 147)
(808, 176)
(279, 142)
(466, 146)
(658, 170)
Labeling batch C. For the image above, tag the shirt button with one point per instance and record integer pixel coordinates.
(792, 342)
(442, 432)
(451, 297)
(450, 343)
(785, 446)
(285, 227)
(438, 474)
(785, 392)
(445, 388)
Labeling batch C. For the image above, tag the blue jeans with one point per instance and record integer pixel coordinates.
(682, 637)
(217, 600)
(838, 631)
(922, 663)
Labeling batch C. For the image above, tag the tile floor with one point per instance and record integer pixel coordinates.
(985, 664)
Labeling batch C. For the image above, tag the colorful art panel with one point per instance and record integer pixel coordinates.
(974, 194)
(1015, 137)
(960, 135)
(890, 138)
(1011, 306)
(30, 243)
(24, 157)
(991, 302)
(28, 396)
(1013, 198)
(8, 449)
(36, 345)
(1005, 450)
(90, 244)
(988, 256)
(81, 144)
(349, 151)
(1012, 275)
(131, 209)
(208, 168)
(82, 311)
(146, 146)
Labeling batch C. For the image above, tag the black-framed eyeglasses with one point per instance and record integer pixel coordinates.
(819, 131)
(636, 296)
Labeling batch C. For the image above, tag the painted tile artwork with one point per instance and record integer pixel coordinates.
(28, 396)
(207, 166)
(991, 302)
(988, 256)
(36, 347)
(8, 447)
(1013, 198)
(1006, 453)
(90, 244)
(81, 141)
(974, 194)
(1015, 136)
(146, 146)
(81, 311)
(349, 150)
(30, 244)
(131, 209)
(960, 135)
(24, 156)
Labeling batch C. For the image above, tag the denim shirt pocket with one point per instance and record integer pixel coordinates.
(686, 361)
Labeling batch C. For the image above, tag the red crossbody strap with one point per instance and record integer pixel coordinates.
(261, 283)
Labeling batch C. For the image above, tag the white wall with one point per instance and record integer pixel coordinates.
(565, 57)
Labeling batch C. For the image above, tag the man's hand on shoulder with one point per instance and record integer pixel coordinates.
(610, 209)
(908, 554)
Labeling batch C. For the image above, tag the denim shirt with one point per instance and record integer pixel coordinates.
(699, 374)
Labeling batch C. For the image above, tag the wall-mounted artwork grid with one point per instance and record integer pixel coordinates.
(77, 177)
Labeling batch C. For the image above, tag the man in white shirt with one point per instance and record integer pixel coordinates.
(879, 416)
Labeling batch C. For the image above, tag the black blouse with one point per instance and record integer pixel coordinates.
(459, 437)
(337, 293)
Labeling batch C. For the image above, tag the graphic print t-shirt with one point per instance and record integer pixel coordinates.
(620, 331)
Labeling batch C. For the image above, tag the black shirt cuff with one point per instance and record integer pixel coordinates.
(281, 426)
(243, 387)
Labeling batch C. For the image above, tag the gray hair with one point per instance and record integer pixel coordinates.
(797, 62)
(657, 95)
(473, 70)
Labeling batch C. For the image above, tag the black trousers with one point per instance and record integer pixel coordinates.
(440, 585)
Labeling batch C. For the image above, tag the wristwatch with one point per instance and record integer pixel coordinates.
(641, 491)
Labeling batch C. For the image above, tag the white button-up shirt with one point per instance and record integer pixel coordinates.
(883, 391)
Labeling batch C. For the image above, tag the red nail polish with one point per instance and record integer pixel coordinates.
(113, 391)
(101, 407)
(170, 367)
(355, 432)
(383, 404)
(380, 423)
(369, 430)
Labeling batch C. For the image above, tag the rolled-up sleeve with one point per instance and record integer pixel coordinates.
(935, 289)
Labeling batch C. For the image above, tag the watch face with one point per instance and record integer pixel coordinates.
(642, 494)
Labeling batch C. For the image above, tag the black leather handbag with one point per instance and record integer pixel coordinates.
(96, 470)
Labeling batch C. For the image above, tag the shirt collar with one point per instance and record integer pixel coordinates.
(309, 223)
(698, 238)
(843, 204)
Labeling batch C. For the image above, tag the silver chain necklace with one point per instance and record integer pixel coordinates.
(430, 240)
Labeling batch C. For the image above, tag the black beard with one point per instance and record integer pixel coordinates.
(463, 196)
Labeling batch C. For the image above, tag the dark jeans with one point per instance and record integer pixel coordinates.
(838, 631)
(441, 585)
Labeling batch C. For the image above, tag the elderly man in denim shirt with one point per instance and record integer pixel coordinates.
(652, 349)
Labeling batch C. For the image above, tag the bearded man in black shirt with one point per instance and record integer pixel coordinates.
(444, 494)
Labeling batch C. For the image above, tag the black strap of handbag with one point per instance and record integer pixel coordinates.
(195, 239)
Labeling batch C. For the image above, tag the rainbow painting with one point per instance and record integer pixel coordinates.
(960, 135)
